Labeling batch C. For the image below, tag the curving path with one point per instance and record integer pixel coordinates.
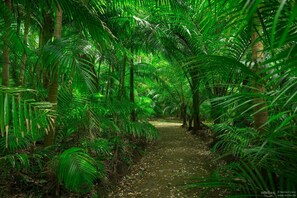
(167, 166)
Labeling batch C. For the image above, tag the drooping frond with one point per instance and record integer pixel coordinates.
(22, 117)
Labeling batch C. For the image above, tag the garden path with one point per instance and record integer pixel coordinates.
(167, 166)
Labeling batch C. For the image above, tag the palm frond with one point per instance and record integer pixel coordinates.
(21, 117)
(77, 170)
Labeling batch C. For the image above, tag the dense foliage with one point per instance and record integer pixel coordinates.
(81, 78)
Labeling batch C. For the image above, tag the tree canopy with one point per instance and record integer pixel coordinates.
(81, 80)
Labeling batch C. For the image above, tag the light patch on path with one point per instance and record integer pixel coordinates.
(167, 166)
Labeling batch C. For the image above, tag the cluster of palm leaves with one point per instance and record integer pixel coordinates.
(244, 56)
(239, 60)
(76, 88)
(66, 118)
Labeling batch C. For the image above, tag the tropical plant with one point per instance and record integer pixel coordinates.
(77, 170)
(81, 78)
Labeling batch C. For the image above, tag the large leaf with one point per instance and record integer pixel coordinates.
(77, 170)
(20, 117)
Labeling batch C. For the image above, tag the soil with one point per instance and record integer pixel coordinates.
(168, 166)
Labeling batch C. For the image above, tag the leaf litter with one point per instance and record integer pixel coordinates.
(167, 166)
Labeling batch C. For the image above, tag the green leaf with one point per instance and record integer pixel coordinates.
(77, 170)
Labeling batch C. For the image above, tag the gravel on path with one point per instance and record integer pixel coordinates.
(167, 166)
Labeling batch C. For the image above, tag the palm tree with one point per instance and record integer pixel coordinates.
(261, 113)
(6, 48)
(255, 93)
(54, 85)
(182, 42)
(85, 88)
(24, 56)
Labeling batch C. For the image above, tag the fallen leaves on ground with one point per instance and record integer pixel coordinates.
(167, 166)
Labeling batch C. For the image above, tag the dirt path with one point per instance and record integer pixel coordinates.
(167, 166)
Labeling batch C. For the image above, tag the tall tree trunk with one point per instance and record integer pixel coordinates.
(215, 113)
(196, 112)
(58, 25)
(46, 34)
(196, 106)
(123, 74)
(190, 128)
(53, 87)
(183, 106)
(108, 82)
(132, 97)
(261, 113)
(15, 63)
(24, 56)
(184, 114)
(98, 75)
(90, 62)
(6, 50)
(215, 91)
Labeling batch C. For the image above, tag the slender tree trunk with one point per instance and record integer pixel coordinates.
(261, 113)
(6, 50)
(98, 75)
(24, 57)
(58, 25)
(108, 82)
(90, 62)
(96, 80)
(132, 97)
(196, 112)
(123, 74)
(184, 114)
(111, 85)
(219, 91)
(45, 35)
(183, 107)
(215, 113)
(53, 87)
(196, 106)
(190, 128)
(14, 65)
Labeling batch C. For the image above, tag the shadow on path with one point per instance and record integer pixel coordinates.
(167, 166)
